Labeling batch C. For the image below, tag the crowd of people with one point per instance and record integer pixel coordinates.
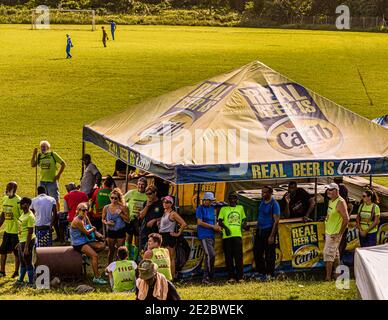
(141, 228)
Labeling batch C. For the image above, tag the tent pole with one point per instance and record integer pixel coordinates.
(316, 196)
(177, 198)
(126, 178)
(82, 163)
(198, 191)
(370, 181)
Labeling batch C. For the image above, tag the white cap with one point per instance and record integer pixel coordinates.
(333, 186)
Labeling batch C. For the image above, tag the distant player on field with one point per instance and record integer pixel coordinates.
(104, 36)
(112, 29)
(69, 45)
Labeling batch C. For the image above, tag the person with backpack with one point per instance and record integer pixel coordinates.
(368, 218)
(48, 160)
(206, 229)
(265, 239)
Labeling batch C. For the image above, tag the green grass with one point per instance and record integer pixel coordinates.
(301, 286)
(44, 96)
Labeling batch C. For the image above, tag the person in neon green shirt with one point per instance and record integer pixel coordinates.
(122, 273)
(158, 255)
(337, 220)
(27, 242)
(135, 199)
(47, 160)
(232, 219)
(368, 218)
(9, 217)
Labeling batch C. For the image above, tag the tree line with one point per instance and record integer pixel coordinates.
(275, 9)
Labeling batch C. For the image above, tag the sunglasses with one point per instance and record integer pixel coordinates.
(167, 202)
(83, 210)
(331, 190)
(149, 193)
(365, 196)
(114, 198)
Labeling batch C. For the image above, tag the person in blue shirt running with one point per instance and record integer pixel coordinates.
(112, 28)
(265, 240)
(206, 229)
(69, 45)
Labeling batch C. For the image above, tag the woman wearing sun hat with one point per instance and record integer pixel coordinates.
(167, 227)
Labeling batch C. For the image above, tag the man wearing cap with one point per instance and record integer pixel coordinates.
(152, 285)
(135, 199)
(337, 220)
(91, 176)
(206, 229)
(232, 219)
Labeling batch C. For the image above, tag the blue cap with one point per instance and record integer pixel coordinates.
(209, 196)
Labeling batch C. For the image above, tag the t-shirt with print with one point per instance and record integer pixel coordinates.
(135, 200)
(12, 211)
(232, 218)
(27, 220)
(48, 165)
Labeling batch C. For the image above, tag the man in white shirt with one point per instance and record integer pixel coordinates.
(91, 176)
(45, 210)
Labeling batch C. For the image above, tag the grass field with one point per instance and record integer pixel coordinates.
(305, 286)
(45, 96)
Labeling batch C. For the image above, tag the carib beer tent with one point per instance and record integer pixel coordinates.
(249, 124)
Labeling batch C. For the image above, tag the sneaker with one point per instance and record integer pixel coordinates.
(18, 284)
(2, 274)
(31, 285)
(231, 281)
(99, 281)
(262, 277)
(15, 275)
(206, 281)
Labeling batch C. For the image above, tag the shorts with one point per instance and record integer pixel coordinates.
(168, 240)
(78, 248)
(116, 234)
(10, 241)
(51, 188)
(331, 249)
(132, 228)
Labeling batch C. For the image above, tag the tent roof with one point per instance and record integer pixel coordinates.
(252, 115)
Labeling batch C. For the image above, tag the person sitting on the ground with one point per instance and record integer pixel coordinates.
(45, 209)
(27, 242)
(100, 198)
(158, 255)
(152, 285)
(82, 234)
(297, 202)
(122, 272)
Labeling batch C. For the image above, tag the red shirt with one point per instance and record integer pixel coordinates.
(73, 199)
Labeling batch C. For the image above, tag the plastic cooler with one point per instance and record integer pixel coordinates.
(250, 200)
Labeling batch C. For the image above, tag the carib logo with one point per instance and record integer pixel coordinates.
(305, 248)
(294, 123)
(184, 113)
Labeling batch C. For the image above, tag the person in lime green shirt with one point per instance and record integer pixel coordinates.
(337, 220)
(232, 220)
(135, 199)
(47, 160)
(27, 242)
(9, 217)
(122, 273)
(368, 218)
(158, 255)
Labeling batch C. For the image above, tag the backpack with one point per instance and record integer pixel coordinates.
(182, 252)
(372, 213)
(51, 155)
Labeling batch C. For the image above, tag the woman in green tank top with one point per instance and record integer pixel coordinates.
(368, 218)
